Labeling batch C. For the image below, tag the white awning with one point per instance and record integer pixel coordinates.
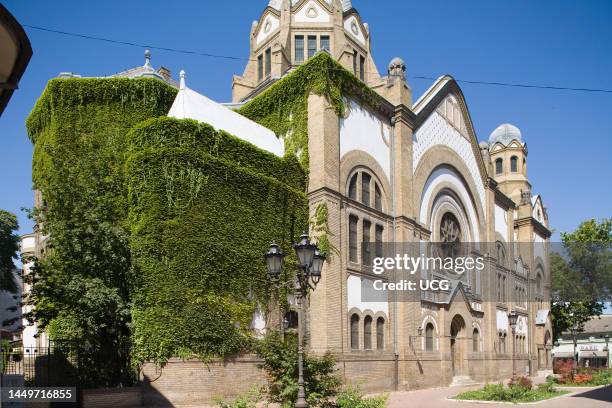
(191, 105)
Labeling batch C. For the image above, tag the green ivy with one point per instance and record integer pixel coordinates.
(283, 107)
(201, 218)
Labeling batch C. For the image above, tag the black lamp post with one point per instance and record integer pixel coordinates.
(274, 263)
(512, 320)
(308, 276)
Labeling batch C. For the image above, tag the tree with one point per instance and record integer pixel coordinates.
(581, 276)
(9, 247)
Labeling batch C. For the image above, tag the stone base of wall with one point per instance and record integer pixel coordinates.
(183, 383)
(127, 397)
(192, 382)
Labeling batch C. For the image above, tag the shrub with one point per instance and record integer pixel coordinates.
(548, 386)
(521, 381)
(602, 377)
(582, 378)
(352, 397)
(565, 368)
(248, 399)
(321, 382)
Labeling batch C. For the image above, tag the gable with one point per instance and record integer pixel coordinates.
(268, 25)
(353, 26)
(312, 12)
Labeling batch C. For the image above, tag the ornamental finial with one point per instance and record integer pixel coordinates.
(182, 80)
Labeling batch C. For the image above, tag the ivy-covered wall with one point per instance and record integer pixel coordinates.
(82, 287)
(283, 107)
(158, 225)
(204, 207)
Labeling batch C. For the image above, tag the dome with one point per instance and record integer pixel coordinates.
(504, 134)
(396, 62)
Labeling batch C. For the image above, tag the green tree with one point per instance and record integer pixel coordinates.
(581, 276)
(9, 247)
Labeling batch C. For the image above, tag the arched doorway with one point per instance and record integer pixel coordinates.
(457, 345)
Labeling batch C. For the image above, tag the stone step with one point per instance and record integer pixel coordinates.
(462, 380)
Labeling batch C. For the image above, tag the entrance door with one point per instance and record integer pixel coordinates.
(457, 346)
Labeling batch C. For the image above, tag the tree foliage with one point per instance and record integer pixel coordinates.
(9, 247)
(581, 276)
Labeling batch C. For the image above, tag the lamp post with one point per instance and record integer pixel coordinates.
(512, 319)
(310, 263)
(574, 330)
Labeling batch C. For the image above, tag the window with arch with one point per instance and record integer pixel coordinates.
(352, 191)
(354, 332)
(366, 253)
(364, 188)
(501, 253)
(429, 337)
(377, 197)
(499, 166)
(380, 333)
(450, 235)
(353, 221)
(367, 333)
(502, 342)
(475, 340)
(514, 164)
(539, 283)
(291, 319)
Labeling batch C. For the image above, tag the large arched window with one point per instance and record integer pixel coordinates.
(353, 221)
(380, 333)
(365, 188)
(499, 166)
(352, 191)
(355, 332)
(377, 197)
(429, 337)
(475, 340)
(367, 333)
(514, 164)
(450, 235)
(539, 284)
(501, 253)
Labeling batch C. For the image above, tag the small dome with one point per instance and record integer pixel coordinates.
(504, 134)
(397, 62)
(483, 145)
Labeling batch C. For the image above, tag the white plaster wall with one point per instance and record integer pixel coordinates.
(363, 130)
(263, 34)
(354, 296)
(501, 222)
(447, 175)
(302, 15)
(437, 131)
(348, 23)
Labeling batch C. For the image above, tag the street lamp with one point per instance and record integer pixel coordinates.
(309, 274)
(512, 319)
(274, 259)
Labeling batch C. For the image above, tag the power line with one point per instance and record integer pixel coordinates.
(229, 57)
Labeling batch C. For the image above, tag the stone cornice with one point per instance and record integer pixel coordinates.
(538, 227)
(405, 115)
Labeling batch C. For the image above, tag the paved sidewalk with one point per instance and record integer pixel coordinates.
(437, 398)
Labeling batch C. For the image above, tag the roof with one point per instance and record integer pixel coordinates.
(504, 134)
(599, 324)
(189, 104)
(15, 54)
(276, 4)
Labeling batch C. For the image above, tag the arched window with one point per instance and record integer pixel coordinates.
(475, 340)
(353, 220)
(514, 164)
(367, 333)
(539, 284)
(501, 253)
(429, 337)
(355, 332)
(450, 235)
(380, 333)
(499, 166)
(377, 197)
(365, 189)
(352, 191)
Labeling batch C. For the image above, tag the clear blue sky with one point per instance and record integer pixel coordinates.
(553, 42)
